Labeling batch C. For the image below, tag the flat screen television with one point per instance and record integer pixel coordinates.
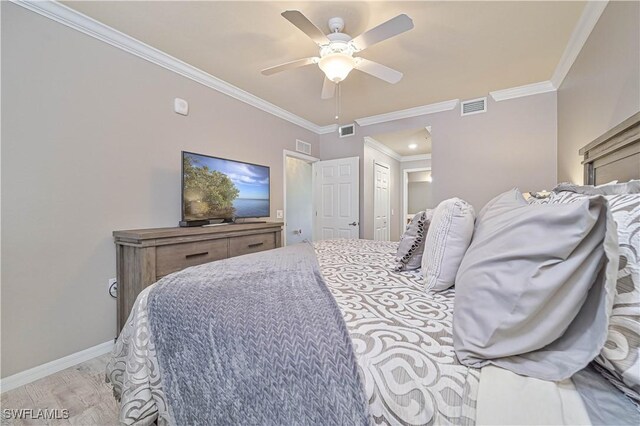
(216, 188)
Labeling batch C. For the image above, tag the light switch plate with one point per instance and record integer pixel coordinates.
(279, 214)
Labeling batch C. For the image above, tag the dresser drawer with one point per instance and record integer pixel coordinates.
(251, 244)
(174, 257)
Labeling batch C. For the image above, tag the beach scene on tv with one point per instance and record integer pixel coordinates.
(214, 188)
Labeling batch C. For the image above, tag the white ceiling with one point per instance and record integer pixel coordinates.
(456, 50)
(400, 141)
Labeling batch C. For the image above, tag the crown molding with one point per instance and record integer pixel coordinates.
(588, 20)
(408, 113)
(374, 144)
(89, 26)
(73, 19)
(380, 147)
(520, 91)
(327, 129)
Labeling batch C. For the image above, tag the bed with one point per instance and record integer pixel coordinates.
(401, 338)
(615, 155)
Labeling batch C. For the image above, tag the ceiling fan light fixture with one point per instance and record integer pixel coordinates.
(337, 66)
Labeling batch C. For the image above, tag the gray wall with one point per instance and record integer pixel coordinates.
(90, 145)
(478, 156)
(415, 165)
(602, 87)
(418, 194)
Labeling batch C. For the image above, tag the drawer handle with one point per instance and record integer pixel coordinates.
(255, 245)
(189, 256)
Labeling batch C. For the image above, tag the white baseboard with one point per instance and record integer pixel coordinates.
(44, 370)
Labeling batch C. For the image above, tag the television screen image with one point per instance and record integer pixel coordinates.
(215, 188)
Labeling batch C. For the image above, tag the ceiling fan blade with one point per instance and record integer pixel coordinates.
(391, 28)
(328, 89)
(378, 70)
(306, 26)
(290, 65)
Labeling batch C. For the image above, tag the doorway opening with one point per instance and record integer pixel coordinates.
(387, 204)
(417, 191)
(298, 197)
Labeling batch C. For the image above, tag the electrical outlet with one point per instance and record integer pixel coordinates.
(279, 214)
(112, 287)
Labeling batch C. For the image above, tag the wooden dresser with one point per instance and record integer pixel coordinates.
(143, 256)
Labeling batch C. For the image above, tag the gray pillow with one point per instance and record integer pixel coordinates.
(535, 289)
(614, 188)
(620, 356)
(447, 240)
(409, 255)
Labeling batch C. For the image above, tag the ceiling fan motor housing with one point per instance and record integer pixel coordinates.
(339, 43)
(336, 25)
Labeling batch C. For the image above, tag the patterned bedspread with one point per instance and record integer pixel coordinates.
(401, 336)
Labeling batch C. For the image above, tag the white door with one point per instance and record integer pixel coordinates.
(337, 203)
(381, 204)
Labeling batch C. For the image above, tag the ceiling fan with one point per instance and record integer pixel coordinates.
(337, 50)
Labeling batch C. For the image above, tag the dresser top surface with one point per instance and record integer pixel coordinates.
(153, 233)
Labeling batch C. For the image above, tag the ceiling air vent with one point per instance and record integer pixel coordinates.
(348, 130)
(303, 147)
(474, 106)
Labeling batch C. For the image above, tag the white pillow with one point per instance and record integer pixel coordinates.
(447, 241)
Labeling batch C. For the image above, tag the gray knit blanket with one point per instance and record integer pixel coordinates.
(258, 340)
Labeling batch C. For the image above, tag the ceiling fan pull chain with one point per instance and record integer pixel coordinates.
(338, 102)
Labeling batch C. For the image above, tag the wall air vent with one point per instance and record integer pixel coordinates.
(303, 147)
(348, 130)
(474, 106)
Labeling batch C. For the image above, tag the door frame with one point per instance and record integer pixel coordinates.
(310, 160)
(405, 191)
(388, 167)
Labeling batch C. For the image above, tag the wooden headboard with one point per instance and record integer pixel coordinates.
(614, 155)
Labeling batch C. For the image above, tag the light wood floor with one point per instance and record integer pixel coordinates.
(80, 389)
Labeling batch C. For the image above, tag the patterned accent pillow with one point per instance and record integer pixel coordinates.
(411, 245)
(621, 353)
(447, 241)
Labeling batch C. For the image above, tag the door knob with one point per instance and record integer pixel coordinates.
(353, 224)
